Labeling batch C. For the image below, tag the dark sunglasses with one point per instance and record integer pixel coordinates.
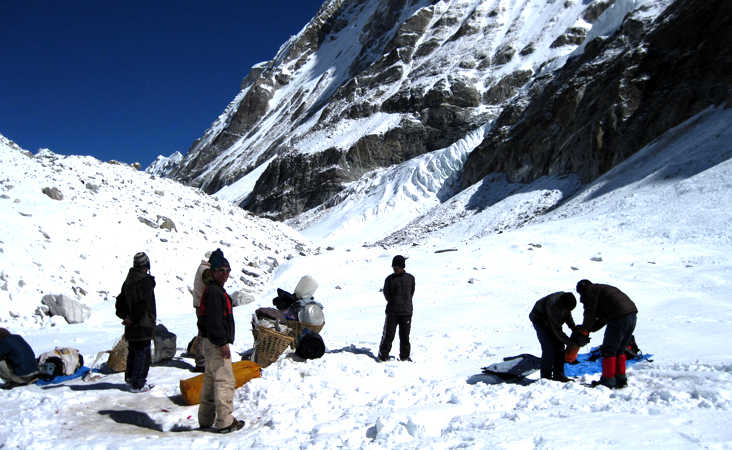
(222, 270)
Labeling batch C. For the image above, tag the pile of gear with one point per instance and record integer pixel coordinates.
(295, 322)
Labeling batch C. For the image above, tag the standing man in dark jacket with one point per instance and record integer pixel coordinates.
(548, 316)
(216, 326)
(606, 304)
(398, 291)
(17, 361)
(136, 307)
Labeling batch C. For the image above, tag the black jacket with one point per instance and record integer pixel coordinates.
(398, 291)
(546, 312)
(137, 301)
(602, 303)
(216, 317)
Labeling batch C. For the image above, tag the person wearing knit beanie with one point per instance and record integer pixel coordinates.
(136, 307)
(548, 316)
(398, 291)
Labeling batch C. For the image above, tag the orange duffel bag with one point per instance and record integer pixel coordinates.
(243, 372)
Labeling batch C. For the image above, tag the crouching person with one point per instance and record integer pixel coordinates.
(604, 304)
(18, 365)
(548, 316)
(216, 326)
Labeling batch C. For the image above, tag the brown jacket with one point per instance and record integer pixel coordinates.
(602, 303)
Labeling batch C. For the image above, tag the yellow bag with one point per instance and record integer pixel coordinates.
(243, 372)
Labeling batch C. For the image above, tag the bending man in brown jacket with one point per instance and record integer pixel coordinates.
(604, 304)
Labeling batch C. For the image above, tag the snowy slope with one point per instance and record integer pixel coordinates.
(658, 227)
(81, 245)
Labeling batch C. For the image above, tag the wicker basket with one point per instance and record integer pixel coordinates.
(117, 361)
(269, 345)
(298, 327)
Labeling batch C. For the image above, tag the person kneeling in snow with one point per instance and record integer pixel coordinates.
(136, 307)
(604, 304)
(18, 365)
(548, 316)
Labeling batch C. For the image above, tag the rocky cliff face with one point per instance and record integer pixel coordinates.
(619, 95)
(373, 83)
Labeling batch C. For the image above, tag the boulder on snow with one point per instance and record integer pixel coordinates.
(147, 222)
(53, 192)
(66, 307)
(239, 298)
(167, 224)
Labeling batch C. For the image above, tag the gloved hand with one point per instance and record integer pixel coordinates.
(580, 336)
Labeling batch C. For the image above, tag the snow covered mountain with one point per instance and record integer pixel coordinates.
(658, 226)
(369, 160)
(370, 88)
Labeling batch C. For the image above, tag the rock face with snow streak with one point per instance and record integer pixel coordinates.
(371, 84)
(619, 95)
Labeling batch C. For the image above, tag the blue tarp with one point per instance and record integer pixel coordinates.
(60, 379)
(587, 367)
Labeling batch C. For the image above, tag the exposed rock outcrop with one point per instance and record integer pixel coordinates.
(373, 83)
(619, 95)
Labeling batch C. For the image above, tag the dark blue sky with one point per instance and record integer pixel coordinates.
(127, 79)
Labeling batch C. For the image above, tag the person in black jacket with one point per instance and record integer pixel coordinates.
(604, 304)
(18, 365)
(548, 316)
(135, 305)
(216, 327)
(398, 291)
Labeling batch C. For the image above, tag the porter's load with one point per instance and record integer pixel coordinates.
(311, 313)
(306, 288)
(243, 372)
(310, 345)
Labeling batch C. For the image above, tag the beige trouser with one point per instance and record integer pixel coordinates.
(7, 374)
(217, 392)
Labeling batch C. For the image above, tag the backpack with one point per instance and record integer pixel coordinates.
(631, 352)
(59, 362)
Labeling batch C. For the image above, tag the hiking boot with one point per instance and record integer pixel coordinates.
(236, 425)
(383, 358)
(145, 388)
(562, 379)
(621, 381)
(407, 359)
(603, 381)
(10, 385)
(199, 369)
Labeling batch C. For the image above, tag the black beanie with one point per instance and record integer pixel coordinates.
(141, 260)
(218, 263)
(583, 284)
(567, 301)
(399, 261)
(216, 258)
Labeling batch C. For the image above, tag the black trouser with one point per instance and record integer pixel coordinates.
(390, 325)
(138, 363)
(552, 353)
(617, 335)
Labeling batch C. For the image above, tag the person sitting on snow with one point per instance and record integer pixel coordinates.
(548, 316)
(18, 365)
(604, 304)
